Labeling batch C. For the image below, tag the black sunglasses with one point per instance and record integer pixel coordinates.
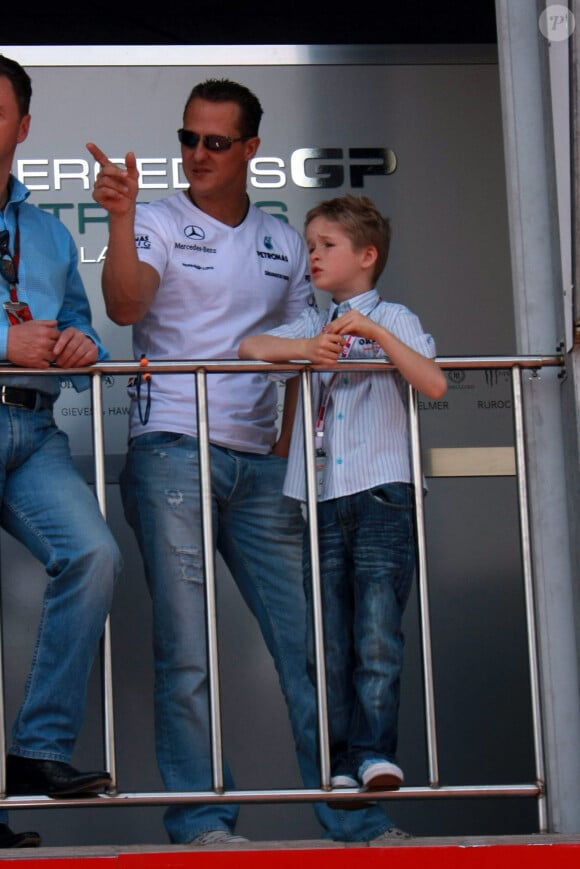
(211, 141)
(7, 264)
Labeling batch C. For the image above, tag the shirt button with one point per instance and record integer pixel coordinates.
(339, 461)
(340, 416)
(345, 380)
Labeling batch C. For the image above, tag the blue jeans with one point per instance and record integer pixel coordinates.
(259, 534)
(367, 544)
(47, 506)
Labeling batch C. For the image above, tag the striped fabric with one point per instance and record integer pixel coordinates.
(366, 424)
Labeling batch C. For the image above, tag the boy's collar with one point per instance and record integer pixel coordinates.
(360, 301)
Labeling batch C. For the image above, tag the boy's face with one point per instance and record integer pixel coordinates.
(335, 266)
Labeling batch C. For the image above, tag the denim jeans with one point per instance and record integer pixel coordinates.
(367, 544)
(259, 534)
(48, 507)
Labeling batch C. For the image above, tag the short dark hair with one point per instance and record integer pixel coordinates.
(20, 80)
(361, 220)
(223, 90)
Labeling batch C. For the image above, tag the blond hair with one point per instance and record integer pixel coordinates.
(362, 222)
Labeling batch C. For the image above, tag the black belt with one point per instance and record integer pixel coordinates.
(30, 399)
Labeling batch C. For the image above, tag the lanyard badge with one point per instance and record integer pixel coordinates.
(16, 311)
(320, 458)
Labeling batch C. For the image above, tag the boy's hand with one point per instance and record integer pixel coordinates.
(353, 323)
(325, 348)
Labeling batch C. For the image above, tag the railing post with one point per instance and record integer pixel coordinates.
(210, 584)
(422, 579)
(311, 500)
(106, 654)
(526, 548)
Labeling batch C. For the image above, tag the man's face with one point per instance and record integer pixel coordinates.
(13, 128)
(216, 174)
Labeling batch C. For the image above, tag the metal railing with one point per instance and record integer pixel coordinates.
(201, 369)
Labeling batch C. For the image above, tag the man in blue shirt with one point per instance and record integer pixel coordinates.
(45, 503)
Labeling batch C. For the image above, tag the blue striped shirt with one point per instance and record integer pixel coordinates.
(366, 430)
(48, 279)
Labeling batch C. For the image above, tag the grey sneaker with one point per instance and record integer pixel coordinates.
(393, 833)
(218, 837)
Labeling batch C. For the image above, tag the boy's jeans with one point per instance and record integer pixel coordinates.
(367, 547)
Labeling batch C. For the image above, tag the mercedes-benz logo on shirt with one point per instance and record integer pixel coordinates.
(194, 232)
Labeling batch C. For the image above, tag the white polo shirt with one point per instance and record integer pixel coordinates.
(218, 285)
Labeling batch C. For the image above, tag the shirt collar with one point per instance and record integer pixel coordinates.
(17, 191)
(364, 302)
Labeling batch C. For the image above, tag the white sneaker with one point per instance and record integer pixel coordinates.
(343, 781)
(218, 837)
(380, 775)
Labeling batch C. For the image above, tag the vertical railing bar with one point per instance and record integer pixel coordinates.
(422, 579)
(99, 441)
(311, 500)
(533, 655)
(210, 580)
(106, 654)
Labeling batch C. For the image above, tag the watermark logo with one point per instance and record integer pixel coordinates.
(557, 22)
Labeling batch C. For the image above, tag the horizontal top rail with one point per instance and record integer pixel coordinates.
(175, 366)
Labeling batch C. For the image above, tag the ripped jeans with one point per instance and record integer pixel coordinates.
(258, 532)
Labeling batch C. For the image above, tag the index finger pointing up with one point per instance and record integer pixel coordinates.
(99, 155)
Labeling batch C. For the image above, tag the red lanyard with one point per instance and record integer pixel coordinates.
(326, 388)
(16, 311)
